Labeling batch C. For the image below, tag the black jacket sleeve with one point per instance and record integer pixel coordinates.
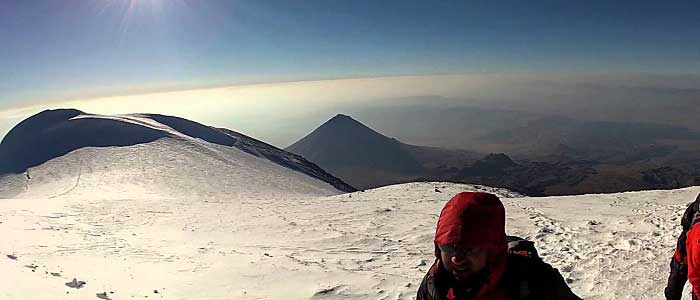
(424, 289)
(677, 278)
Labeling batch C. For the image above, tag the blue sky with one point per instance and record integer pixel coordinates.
(55, 49)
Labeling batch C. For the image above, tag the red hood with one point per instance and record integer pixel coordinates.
(476, 220)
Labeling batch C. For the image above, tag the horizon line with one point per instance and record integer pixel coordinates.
(169, 88)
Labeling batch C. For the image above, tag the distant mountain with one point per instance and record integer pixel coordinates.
(365, 158)
(170, 152)
(342, 141)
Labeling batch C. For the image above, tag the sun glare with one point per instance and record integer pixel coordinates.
(137, 11)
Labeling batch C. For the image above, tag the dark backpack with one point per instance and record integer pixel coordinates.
(522, 247)
(531, 277)
(525, 249)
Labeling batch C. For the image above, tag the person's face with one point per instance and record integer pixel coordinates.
(463, 263)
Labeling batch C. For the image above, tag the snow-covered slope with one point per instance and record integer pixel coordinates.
(73, 154)
(375, 244)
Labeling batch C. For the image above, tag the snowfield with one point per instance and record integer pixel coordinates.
(375, 244)
(188, 216)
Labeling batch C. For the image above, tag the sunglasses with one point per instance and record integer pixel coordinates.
(455, 250)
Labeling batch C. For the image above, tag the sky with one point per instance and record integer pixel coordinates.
(65, 49)
(259, 66)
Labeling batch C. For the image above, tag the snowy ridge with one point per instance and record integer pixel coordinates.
(375, 244)
(67, 152)
(136, 119)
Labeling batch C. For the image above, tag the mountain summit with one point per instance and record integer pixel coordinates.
(351, 150)
(343, 129)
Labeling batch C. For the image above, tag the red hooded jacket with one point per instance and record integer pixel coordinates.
(477, 220)
(692, 246)
(685, 264)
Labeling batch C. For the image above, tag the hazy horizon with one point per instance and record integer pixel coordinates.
(264, 110)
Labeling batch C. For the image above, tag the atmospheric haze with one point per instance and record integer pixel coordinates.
(281, 113)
